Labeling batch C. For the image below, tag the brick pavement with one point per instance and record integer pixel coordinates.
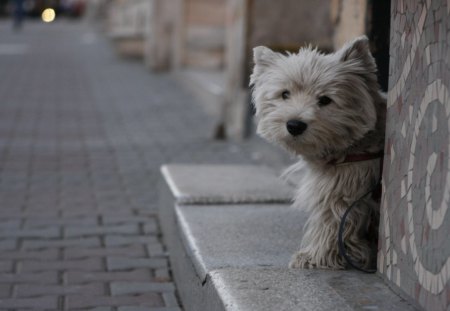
(82, 136)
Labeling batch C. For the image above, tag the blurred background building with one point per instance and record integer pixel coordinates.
(34, 8)
(208, 43)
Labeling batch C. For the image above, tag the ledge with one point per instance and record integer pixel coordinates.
(238, 236)
(224, 184)
(235, 256)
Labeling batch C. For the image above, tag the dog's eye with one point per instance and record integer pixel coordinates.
(286, 94)
(324, 100)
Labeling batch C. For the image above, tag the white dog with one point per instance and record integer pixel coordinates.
(328, 110)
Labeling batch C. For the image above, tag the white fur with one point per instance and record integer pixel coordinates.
(353, 123)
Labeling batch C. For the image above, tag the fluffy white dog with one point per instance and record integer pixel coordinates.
(328, 110)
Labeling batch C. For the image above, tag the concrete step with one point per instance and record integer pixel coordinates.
(225, 184)
(230, 250)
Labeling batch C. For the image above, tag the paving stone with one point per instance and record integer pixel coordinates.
(75, 231)
(28, 213)
(50, 232)
(113, 219)
(88, 264)
(8, 244)
(147, 309)
(39, 244)
(36, 255)
(155, 250)
(122, 263)
(127, 251)
(132, 288)
(28, 290)
(170, 300)
(5, 290)
(6, 266)
(147, 300)
(79, 277)
(79, 210)
(42, 303)
(47, 277)
(162, 275)
(151, 228)
(10, 224)
(118, 240)
(117, 214)
(53, 221)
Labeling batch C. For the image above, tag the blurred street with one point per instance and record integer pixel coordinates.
(82, 136)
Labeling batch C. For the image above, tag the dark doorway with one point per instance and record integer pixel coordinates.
(380, 21)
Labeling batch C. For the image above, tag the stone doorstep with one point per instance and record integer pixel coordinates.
(241, 236)
(241, 252)
(268, 289)
(235, 256)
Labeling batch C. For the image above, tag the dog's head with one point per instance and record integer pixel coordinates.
(315, 104)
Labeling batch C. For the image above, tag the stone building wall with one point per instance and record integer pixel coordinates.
(414, 248)
(290, 24)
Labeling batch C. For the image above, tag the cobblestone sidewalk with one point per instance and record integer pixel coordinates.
(82, 136)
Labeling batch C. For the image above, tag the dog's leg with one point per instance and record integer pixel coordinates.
(356, 235)
(319, 247)
(320, 241)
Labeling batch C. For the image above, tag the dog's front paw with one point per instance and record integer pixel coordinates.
(301, 260)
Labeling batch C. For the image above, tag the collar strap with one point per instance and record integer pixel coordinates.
(358, 158)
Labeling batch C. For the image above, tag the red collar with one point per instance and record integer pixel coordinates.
(358, 158)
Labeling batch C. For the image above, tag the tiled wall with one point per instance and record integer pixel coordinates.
(414, 248)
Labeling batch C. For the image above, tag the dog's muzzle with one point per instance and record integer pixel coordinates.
(296, 127)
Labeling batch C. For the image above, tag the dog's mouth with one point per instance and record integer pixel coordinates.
(301, 145)
(296, 144)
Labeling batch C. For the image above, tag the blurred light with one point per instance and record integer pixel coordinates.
(48, 15)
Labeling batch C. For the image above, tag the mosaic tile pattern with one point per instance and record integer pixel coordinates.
(414, 248)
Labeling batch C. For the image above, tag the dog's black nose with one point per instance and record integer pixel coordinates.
(296, 127)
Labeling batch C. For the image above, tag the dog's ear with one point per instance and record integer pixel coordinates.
(263, 58)
(357, 50)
